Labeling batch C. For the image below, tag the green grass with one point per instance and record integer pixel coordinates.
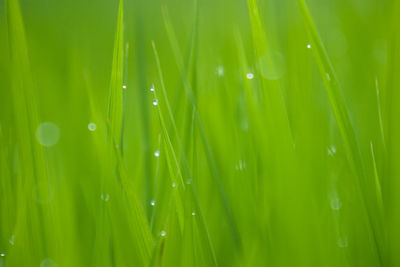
(199, 133)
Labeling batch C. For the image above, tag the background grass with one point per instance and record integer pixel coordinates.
(199, 133)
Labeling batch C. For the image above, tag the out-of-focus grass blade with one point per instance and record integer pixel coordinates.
(343, 121)
(115, 104)
(190, 189)
(137, 221)
(209, 154)
(33, 222)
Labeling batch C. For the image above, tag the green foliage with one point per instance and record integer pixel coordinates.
(199, 133)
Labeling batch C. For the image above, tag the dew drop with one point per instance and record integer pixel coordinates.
(2, 255)
(309, 46)
(155, 102)
(173, 185)
(124, 86)
(336, 204)
(157, 153)
(343, 242)
(328, 76)
(11, 241)
(92, 127)
(152, 89)
(250, 76)
(153, 203)
(331, 150)
(48, 134)
(163, 233)
(241, 165)
(220, 71)
(105, 197)
(193, 213)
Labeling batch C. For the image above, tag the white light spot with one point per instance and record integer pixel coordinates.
(328, 76)
(157, 153)
(309, 46)
(152, 89)
(153, 203)
(220, 71)
(92, 127)
(124, 86)
(250, 76)
(105, 197)
(331, 150)
(2, 255)
(163, 233)
(241, 165)
(173, 185)
(193, 213)
(155, 102)
(48, 134)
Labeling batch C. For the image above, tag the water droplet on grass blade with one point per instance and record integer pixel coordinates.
(343, 242)
(328, 76)
(309, 46)
(152, 89)
(153, 203)
(220, 71)
(11, 241)
(336, 204)
(193, 213)
(124, 86)
(157, 153)
(155, 102)
(163, 233)
(249, 76)
(105, 197)
(48, 134)
(2, 255)
(92, 127)
(331, 150)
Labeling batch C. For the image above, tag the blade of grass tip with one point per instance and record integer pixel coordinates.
(341, 115)
(268, 68)
(184, 158)
(138, 223)
(115, 104)
(32, 168)
(210, 157)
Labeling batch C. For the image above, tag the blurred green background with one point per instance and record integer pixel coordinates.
(271, 137)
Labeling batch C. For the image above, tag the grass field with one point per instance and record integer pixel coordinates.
(199, 133)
